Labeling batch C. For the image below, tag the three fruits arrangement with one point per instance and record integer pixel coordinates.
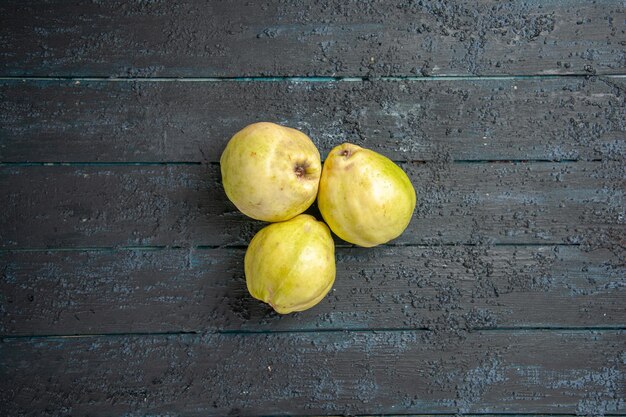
(274, 173)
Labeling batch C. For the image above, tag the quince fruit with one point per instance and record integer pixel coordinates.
(365, 198)
(291, 265)
(270, 172)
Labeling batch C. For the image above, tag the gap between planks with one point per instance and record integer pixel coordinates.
(183, 163)
(242, 247)
(517, 329)
(308, 79)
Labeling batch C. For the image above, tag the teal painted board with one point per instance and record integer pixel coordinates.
(185, 205)
(302, 38)
(330, 373)
(190, 121)
(445, 288)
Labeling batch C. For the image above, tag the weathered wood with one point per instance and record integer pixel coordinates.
(345, 38)
(85, 206)
(554, 119)
(312, 374)
(500, 246)
(453, 288)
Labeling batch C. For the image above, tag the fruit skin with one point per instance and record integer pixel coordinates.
(270, 172)
(291, 265)
(364, 197)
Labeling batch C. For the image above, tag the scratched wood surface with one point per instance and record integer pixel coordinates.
(186, 205)
(121, 281)
(324, 373)
(481, 119)
(456, 288)
(324, 38)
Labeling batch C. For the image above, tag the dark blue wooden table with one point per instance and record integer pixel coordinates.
(121, 279)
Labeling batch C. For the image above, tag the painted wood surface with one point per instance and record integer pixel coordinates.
(84, 206)
(450, 288)
(121, 282)
(302, 38)
(484, 119)
(317, 373)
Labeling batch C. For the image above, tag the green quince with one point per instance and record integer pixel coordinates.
(291, 265)
(270, 172)
(365, 198)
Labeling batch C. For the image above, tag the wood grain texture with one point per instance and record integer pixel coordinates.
(121, 281)
(455, 289)
(312, 374)
(83, 206)
(489, 119)
(346, 38)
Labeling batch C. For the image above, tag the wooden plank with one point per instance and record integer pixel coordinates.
(316, 373)
(345, 38)
(454, 288)
(489, 119)
(86, 206)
